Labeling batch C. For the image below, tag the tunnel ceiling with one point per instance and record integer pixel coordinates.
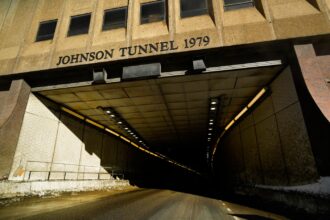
(168, 112)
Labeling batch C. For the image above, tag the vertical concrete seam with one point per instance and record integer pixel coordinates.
(171, 14)
(129, 29)
(26, 31)
(242, 149)
(5, 17)
(219, 18)
(323, 5)
(56, 34)
(102, 149)
(258, 149)
(269, 16)
(91, 30)
(55, 143)
(81, 148)
(281, 145)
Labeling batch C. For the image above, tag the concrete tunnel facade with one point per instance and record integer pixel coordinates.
(54, 124)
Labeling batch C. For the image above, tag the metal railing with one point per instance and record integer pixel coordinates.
(78, 172)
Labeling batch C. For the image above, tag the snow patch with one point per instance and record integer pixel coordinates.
(321, 187)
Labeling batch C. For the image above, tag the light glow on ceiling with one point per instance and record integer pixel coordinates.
(255, 99)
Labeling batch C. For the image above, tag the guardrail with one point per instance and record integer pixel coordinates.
(40, 170)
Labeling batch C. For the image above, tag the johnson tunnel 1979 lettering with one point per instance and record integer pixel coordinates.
(134, 50)
(85, 57)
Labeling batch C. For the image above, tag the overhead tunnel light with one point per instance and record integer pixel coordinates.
(229, 125)
(213, 110)
(126, 139)
(257, 97)
(241, 113)
(122, 123)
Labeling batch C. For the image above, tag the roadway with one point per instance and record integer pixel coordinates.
(136, 204)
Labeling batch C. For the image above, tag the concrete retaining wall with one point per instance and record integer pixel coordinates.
(55, 146)
(270, 145)
(12, 108)
(298, 201)
(10, 189)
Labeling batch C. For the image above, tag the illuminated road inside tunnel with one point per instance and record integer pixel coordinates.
(135, 204)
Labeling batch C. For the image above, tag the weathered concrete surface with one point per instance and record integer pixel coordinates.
(55, 146)
(312, 75)
(316, 73)
(9, 189)
(269, 20)
(12, 109)
(303, 203)
(270, 145)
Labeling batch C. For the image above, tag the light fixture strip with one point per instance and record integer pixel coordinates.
(213, 109)
(241, 113)
(238, 116)
(115, 116)
(257, 97)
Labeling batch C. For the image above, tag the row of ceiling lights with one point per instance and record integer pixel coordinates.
(213, 105)
(109, 112)
(123, 124)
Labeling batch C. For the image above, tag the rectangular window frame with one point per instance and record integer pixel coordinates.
(40, 38)
(239, 5)
(188, 14)
(144, 21)
(118, 26)
(77, 16)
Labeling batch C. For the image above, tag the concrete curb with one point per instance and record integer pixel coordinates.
(9, 189)
(300, 201)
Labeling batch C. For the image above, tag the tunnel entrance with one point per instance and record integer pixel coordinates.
(171, 114)
(204, 113)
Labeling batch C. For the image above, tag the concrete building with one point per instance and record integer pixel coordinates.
(240, 87)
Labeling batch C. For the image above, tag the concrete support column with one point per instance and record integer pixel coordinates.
(13, 105)
(311, 68)
(316, 74)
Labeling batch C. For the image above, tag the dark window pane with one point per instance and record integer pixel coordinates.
(191, 8)
(114, 18)
(152, 12)
(236, 4)
(46, 30)
(79, 24)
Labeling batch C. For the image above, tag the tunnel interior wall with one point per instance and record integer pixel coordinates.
(270, 145)
(312, 77)
(55, 146)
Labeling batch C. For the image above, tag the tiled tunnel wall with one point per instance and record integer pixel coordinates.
(56, 146)
(271, 144)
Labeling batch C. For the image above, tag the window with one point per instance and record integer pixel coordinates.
(152, 12)
(46, 30)
(236, 4)
(114, 18)
(79, 24)
(191, 8)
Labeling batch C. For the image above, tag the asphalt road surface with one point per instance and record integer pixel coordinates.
(137, 204)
